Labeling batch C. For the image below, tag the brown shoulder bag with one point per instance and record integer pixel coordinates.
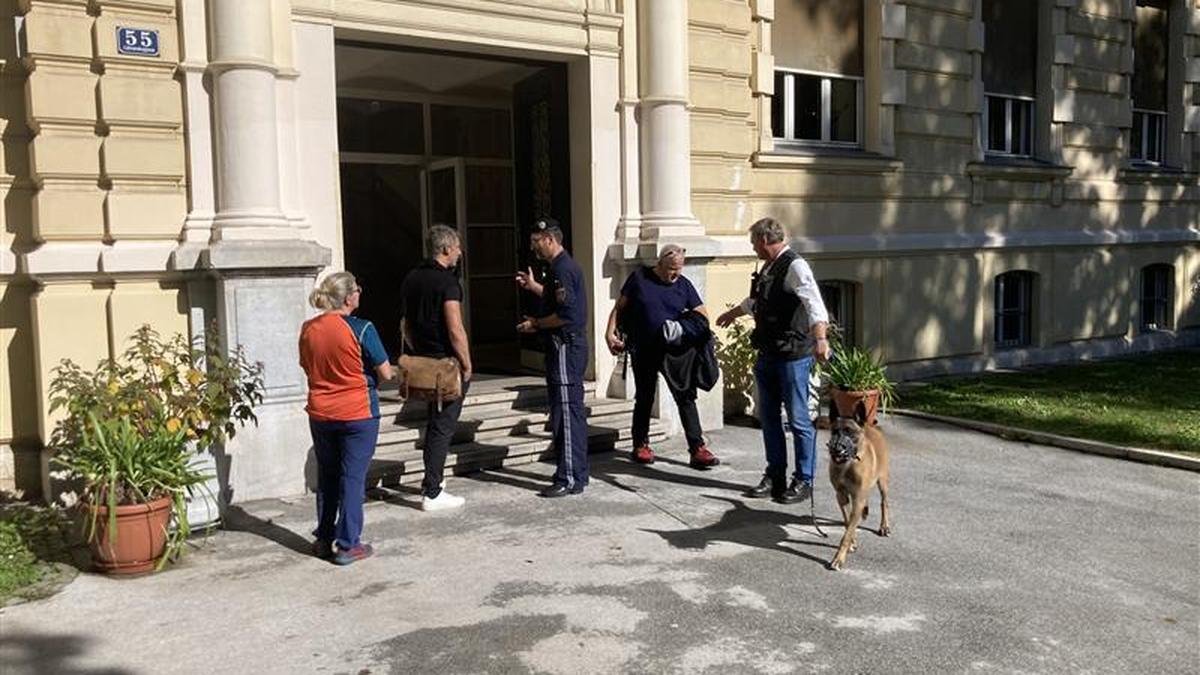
(428, 379)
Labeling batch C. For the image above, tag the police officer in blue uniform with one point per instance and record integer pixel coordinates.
(561, 322)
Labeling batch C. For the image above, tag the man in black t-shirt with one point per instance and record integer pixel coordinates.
(431, 325)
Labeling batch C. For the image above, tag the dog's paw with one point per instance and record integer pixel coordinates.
(885, 531)
(834, 565)
(853, 546)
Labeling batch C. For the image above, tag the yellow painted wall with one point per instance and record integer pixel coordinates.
(931, 308)
(1095, 292)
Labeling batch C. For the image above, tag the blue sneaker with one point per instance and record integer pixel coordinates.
(353, 555)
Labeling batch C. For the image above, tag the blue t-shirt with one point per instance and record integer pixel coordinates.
(651, 301)
(373, 354)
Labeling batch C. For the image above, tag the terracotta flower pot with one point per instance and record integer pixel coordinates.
(141, 537)
(848, 404)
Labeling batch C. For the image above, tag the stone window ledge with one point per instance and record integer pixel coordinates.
(1018, 169)
(831, 161)
(1160, 175)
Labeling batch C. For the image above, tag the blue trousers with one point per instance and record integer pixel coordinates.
(566, 361)
(783, 382)
(343, 451)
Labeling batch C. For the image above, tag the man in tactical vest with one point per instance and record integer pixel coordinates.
(789, 332)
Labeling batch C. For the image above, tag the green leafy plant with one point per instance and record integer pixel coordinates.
(855, 369)
(19, 567)
(134, 425)
(737, 356)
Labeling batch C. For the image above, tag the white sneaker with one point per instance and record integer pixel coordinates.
(443, 501)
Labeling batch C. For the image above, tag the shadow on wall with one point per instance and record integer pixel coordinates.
(938, 304)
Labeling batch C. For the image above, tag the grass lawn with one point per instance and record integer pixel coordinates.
(1150, 401)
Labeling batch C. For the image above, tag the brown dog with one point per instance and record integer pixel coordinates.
(858, 460)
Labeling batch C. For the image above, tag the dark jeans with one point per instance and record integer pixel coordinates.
(343, 451)
(646, 365)
(439, 434)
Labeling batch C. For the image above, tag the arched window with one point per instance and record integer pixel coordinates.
(1014, 309)
(1158, 297)
(840, 298)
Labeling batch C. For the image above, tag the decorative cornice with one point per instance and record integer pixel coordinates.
(863, 164)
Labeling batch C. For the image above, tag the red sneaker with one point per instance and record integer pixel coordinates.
(702, 458)
(643, 455)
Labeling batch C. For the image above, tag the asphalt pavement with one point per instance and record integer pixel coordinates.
(1005, 557)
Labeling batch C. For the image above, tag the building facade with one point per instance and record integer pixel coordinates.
(978, 183)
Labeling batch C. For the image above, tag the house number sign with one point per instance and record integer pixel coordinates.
(137, 41)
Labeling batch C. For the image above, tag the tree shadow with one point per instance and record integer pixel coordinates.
(749, 527)
(24, 652)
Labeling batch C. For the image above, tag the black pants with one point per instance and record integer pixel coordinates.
(646, 365)
(439, 433)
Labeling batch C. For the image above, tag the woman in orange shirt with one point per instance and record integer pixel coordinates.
(344, 359)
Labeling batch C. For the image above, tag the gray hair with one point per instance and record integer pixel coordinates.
(767, 230)
(332, 291)
(671, 251)
(440, 238)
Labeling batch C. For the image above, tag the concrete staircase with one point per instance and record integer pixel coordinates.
(503, 423)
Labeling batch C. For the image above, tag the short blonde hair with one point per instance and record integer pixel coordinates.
(332, 291)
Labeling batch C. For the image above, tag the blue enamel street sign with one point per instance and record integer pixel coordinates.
(137, 41)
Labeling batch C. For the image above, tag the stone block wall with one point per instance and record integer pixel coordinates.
(940, 221)
(93, 180)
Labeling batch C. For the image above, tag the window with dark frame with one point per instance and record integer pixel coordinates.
(1158, 297)
(1014, 309)
(1147, 136)
(840, 301)
(818, 51)
(1009, 76)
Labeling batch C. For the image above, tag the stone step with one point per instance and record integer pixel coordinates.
(479, 425)
(511, 394)
(393, 466)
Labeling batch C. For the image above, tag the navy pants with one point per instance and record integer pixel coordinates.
(343, 451)
(566, 361)
(646, 365)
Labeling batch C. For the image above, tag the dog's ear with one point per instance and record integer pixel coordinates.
(860, 413)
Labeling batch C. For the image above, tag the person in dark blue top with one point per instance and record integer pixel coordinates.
(561, 321)
(650, 298)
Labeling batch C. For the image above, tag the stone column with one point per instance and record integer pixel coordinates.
(245, 122)
(665, 126)
(252, 276)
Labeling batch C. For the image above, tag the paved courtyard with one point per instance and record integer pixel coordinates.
(1005, 557)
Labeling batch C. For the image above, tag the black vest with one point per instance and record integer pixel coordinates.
(780, 318)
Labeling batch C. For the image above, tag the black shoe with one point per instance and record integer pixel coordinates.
(798, 491)
(560, 490)
(765, 488)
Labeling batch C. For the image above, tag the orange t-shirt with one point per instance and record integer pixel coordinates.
(339, 355)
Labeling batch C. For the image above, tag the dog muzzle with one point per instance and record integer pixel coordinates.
(843, 448)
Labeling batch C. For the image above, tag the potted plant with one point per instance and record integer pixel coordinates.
(130, 435)
(858, 382)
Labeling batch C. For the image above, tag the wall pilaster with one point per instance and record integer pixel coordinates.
(243, 71)
(666, 187)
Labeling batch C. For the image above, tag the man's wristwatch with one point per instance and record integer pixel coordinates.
(536, 323)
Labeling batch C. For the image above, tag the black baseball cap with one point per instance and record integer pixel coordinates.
(548, 226)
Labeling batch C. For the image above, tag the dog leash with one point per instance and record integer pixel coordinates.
(812, 509)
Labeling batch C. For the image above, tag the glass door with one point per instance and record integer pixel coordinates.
(475, 197)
